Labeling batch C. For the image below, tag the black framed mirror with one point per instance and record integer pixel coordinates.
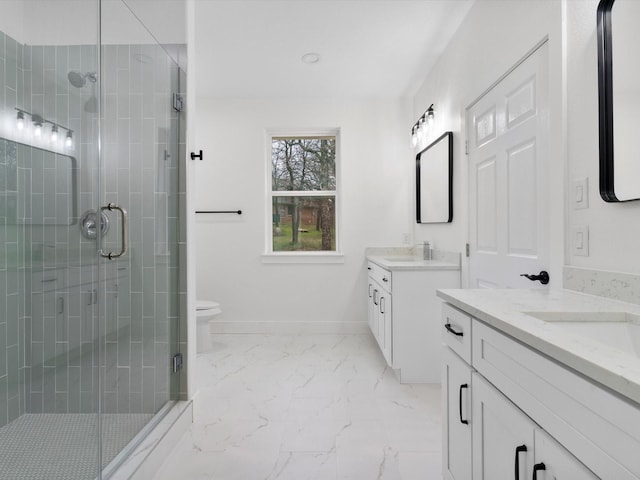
(618, 99)
(434, 181)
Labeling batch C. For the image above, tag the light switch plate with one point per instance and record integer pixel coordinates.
(580, 193)
(580, 240)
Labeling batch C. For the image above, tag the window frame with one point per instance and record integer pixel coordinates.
(319, 256)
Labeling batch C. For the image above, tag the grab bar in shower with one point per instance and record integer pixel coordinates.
(239, 212)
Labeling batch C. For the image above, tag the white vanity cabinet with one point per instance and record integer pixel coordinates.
(512, 445)
(529, 416)
(380, 305)
(404, 312)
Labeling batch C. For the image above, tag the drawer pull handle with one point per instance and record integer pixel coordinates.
(369, 268)
(464, 385)
(451, 330)
(519, 450)
(385, 279)
(382, 307)
(536, 468)
(48, 280)
(370, 294)
(375, 302)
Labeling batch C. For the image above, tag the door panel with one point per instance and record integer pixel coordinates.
(508, 212)
(522, 200)
(486, 207)
(521, 104)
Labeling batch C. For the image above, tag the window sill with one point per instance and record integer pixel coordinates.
(303, 257)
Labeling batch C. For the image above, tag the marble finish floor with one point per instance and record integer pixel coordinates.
(298, 407)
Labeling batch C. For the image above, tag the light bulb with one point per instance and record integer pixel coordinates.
(37, 130)
(54, 133)
(430, 116)
(20, 121)
(422, 127)
(69, 140)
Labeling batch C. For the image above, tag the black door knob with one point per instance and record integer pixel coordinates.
(542, 277)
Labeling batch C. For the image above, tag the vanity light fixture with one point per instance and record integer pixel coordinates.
(419, 129)
(431, 113)
(20, 120)
(38, 125)
(414, 136)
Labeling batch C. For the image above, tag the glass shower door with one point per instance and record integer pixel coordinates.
(139, 175)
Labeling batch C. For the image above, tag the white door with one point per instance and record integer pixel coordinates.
(508, 200)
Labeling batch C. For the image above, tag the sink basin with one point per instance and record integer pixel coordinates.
(620, 330)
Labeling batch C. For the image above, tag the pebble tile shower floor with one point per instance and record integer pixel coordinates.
(62, 446)
(297, 407)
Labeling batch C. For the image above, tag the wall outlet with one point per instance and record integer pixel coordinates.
(406, 239)
(580, 193)
(580, 240)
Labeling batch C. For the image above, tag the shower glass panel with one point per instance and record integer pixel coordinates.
(86, 342)
(49, 350)
(139, 143)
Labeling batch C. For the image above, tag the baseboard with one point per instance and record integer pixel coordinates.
(290, 328)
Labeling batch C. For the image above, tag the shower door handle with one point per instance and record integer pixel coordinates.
(123, 218)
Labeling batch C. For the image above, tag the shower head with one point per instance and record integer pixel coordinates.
(79, 79)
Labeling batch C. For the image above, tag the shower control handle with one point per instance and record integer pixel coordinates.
(123, 218)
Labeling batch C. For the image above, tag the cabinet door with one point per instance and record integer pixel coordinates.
(503, 438)
(371, 311)
(385, 326)
(375, 315)
(456, 431)
(554, 462)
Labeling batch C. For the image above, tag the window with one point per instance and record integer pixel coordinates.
(302, 193)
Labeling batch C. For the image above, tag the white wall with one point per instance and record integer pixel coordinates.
(613, 227)
(494, 36)
(375, 182)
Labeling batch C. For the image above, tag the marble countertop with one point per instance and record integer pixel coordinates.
(392, 262)
(506, 311)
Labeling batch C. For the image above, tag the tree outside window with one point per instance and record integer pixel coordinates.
(303, 193)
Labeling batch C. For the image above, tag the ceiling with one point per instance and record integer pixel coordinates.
(368, 48)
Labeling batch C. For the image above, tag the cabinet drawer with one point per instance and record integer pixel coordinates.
(599, 428)
(456, 331)
(380, 275)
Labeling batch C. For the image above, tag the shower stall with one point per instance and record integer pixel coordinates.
(91, 238)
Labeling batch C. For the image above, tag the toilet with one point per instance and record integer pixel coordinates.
(205, 311)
